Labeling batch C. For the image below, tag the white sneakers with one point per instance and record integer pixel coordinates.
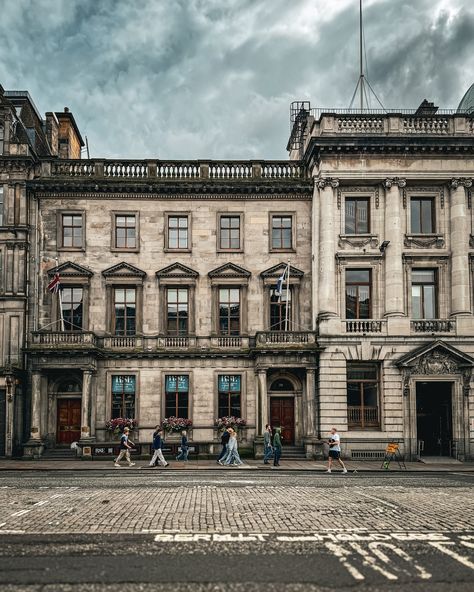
(343, 470)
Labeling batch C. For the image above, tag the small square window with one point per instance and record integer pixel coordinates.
(125, 231)
(72, 231)
(178, 232)
(229, 233)
(282, 232)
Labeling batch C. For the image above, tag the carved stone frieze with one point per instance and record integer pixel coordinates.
(358, 241)
(424, 242)
(436, 362)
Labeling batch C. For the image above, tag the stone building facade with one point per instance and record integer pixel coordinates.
(169, 298)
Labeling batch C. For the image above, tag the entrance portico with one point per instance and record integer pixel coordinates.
(436, 389)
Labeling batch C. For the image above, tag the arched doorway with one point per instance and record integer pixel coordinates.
(68, 402)
(282, 407)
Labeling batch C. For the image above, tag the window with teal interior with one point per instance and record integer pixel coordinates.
(123, 396)
(229, 395)
(177, 396)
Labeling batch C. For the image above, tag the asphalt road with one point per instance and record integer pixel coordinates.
(157, 530)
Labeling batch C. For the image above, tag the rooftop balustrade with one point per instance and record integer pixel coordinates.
(174, 170)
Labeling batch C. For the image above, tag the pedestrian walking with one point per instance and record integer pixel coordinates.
(184, 448)
(335, 450)
(158, 458)
(224, 441)
(125, 446)
(277, 447)
(232, 456)
(267, 444)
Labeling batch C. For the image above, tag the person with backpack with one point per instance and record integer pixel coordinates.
(158, 458)
(184, 449)
(277, 447)
(125, 446)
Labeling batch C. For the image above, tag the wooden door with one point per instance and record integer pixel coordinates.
(69, 421)
(282, 414)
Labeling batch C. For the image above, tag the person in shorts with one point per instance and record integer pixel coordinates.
(335, 450)
(125, 447)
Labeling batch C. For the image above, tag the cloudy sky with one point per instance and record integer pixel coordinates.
(215, 78)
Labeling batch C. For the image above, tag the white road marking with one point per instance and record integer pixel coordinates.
(377, 499)
(370, 561)
(449, 551)
(342, 554)
(12, 532)
(20, 513)
(2, 524)
(41, 503)
(376, 549)
(57, 495)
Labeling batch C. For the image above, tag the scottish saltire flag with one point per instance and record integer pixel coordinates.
(281, 279)
(55, 284)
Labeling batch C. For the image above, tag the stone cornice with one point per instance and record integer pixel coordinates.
(163, 189)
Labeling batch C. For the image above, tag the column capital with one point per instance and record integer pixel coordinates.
(395, 181)
(261, 370)
(460, 182)
(322, 183)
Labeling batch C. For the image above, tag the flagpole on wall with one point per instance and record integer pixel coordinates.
(60, 300)
(287, 294)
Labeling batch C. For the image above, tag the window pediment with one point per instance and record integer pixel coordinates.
(123, 270)
(435, 358)
(229, 270)
(71, 270)
(277, 270)
(176, 271)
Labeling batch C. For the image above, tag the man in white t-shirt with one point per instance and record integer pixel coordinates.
(335, 450)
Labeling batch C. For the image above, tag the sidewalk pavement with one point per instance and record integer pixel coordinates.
(203, 465)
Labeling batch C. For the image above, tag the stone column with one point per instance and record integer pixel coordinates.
(308, 407)
(327, 254)
(85, 405)
(262, 419)
(393, 254)
(460, 300)
(35, 406)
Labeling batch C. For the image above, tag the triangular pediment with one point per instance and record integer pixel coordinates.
(177, 270)
(277, 270)
(229, 270)
(123, 269)
(436, 357)
(70, 269)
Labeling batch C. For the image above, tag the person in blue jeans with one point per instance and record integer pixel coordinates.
(184, 449)
(267, 444)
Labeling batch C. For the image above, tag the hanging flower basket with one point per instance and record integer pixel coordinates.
(230, 422)
(117, 425)
(175, 424)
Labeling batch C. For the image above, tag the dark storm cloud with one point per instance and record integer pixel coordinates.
(214, 78)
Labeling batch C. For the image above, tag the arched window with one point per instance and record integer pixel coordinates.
(282, 385)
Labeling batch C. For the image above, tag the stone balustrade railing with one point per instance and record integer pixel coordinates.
(444, 122)
(433, 326)
(361, 326)
(271, 338)
(174, 170)
(144, 343)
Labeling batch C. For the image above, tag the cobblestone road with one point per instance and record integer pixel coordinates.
(278, 529)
